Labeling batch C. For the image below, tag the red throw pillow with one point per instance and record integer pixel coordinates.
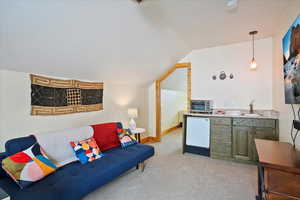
(106, 135)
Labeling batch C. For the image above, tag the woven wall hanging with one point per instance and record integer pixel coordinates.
(57, 97)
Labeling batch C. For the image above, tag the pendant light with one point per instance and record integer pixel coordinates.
(253, 64)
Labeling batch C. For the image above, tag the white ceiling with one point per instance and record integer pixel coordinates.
(119, 40)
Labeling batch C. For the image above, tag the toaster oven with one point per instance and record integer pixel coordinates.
(202, 106)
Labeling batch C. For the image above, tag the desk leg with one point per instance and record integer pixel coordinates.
(261, 183)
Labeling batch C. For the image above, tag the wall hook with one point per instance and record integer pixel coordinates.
(222, 75)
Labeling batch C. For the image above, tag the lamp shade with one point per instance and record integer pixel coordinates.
(253, 64)
(133, 112)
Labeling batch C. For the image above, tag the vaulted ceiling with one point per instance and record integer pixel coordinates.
(122, 41)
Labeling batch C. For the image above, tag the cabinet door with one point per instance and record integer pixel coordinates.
(221, 140)
(261, 133)
(242, 142)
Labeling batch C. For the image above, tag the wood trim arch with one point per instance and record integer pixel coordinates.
(158, 81)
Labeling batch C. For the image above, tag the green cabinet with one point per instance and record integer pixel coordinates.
(241, 144)
(221, 138)
(244, 133)
(233, 138)
(221, 142)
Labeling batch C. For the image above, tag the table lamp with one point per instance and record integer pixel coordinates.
(132, 113)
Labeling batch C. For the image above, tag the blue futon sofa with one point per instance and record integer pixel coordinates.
(75, 180)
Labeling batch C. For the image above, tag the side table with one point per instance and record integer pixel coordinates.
(137, 133)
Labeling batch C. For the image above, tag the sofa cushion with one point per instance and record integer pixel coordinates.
(28, 166)
(126, 138)
(106, 135)
(57, 144)
(16, 145)
(74, 181)
(86, 150)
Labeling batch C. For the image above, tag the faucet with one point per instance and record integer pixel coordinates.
(251, 111)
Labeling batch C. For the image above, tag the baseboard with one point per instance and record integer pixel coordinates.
(169, 130)
(150, 140)
(156, 139)
(197, 150)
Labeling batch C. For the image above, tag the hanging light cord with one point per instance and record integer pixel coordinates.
(253, 46)
(253, 33)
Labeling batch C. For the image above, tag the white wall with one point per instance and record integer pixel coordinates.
(246, 85)
(173, 98)
(172, 102)
(286, 116)
(1, 105)
(177, 80)
(15, 108)
(231, 94)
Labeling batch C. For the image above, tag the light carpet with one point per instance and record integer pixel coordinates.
(171, 175)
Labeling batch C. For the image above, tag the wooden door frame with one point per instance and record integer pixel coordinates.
(158, 81)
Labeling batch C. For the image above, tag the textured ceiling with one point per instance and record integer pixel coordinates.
(122, 41)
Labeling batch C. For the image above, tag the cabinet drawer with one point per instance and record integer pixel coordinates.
(221, 121)
(265, 133)
(264, 123)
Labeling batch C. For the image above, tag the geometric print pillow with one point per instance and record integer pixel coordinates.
(126, 138)
(28, 166)
(86, 150)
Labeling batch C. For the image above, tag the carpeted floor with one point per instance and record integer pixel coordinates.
(171, 175)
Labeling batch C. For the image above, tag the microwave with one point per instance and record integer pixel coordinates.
(202, 106)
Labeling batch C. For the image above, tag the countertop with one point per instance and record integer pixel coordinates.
(261, 114)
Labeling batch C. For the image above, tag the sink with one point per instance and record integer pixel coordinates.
(251, 115)
(238, 113)
(233, 112)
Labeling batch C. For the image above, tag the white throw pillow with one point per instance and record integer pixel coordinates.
(57, 144)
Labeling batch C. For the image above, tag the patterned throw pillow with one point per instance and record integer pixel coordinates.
(126, 138)
(28, 166)
(86, 150)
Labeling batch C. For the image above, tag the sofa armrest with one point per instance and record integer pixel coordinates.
(2, 172)
(3, 155)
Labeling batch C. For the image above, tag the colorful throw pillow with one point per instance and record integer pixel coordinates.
(28, 166)
(126, 138)
(86, 150)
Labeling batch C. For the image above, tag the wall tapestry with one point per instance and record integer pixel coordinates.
(56, 97)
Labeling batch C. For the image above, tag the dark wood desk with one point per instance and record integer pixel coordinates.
(278, 170)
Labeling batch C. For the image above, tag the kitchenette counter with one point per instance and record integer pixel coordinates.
(258, 114)
(230, 135)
